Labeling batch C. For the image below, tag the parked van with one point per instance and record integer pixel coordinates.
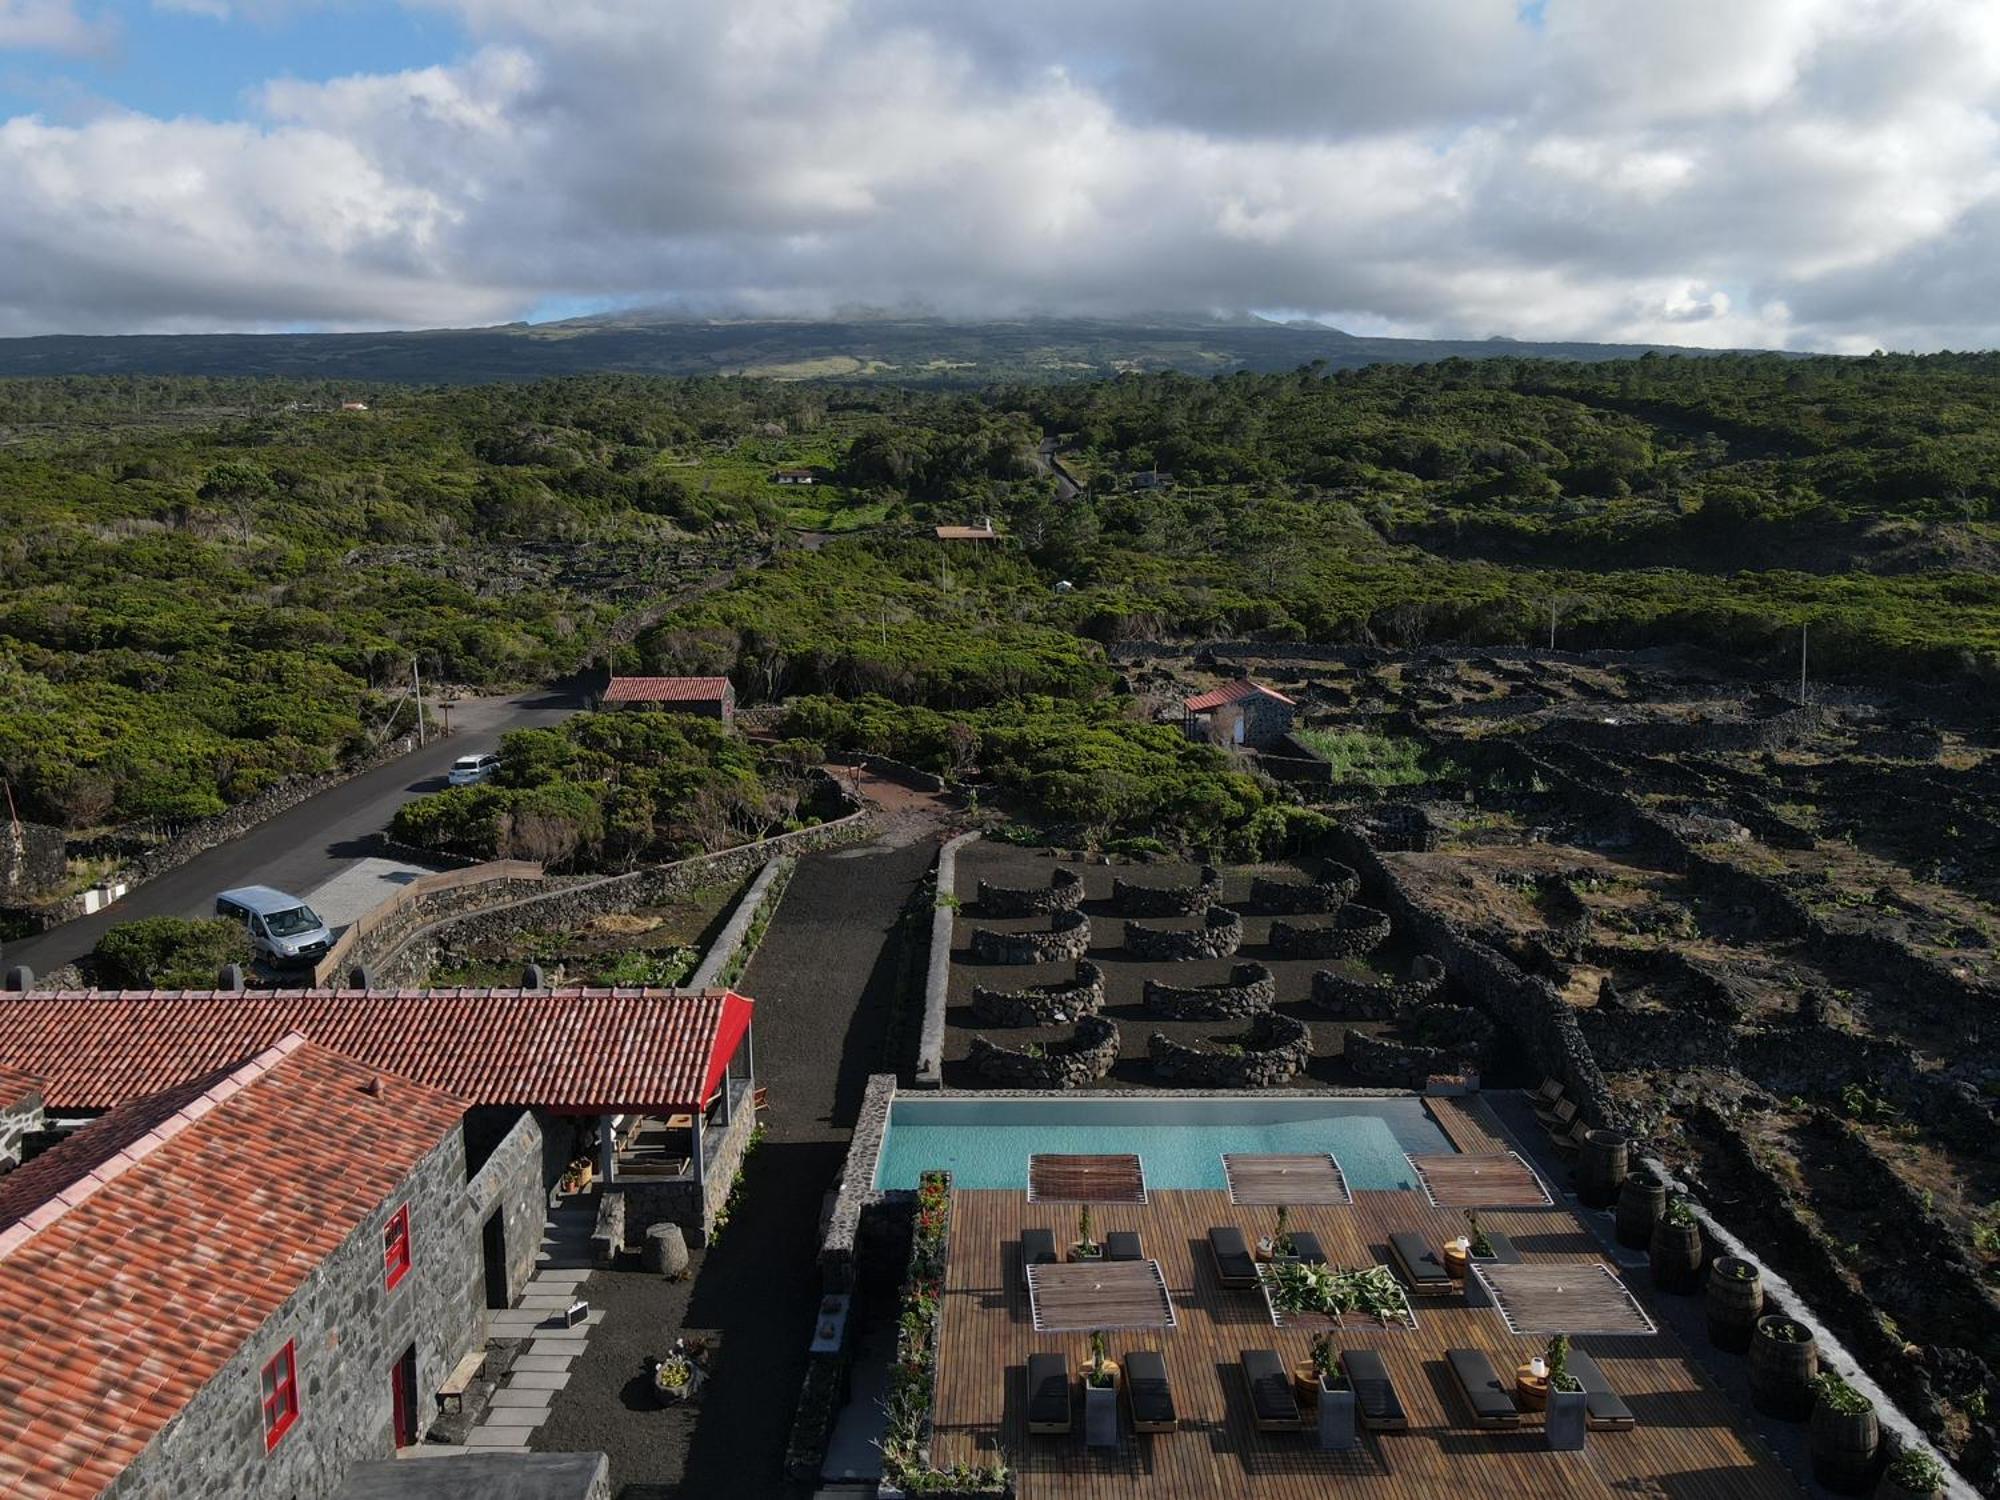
(281, 927)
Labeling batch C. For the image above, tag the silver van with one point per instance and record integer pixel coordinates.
(281, 927)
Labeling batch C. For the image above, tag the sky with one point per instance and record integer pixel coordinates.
(1814, 174)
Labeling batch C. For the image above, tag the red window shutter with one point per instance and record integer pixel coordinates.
(280, 1396)
(396, 1246)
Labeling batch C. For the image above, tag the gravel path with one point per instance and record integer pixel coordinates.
(831, 971)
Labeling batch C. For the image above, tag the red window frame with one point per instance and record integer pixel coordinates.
(280, 1394)
(396, 1246)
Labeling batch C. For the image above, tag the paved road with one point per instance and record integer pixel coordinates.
(301, 850)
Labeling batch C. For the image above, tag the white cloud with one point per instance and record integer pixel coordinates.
(1813, 172)
(50, 26)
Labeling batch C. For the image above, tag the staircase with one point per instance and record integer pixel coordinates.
(542, 1367)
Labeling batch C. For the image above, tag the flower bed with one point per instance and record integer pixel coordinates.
(1301, 1295)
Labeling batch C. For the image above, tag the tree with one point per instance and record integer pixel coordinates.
(169, 953)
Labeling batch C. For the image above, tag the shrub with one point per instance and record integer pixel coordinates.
(169, 952)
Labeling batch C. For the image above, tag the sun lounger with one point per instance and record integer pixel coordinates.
(1038, 1248)
(1603, 1409)
(1572, 1142)
(1558, 1116)
(1375, 1398)
(1547, 1093)
(1420, 1267)
(1233, 1266)
(1274, 1406)
(1151, 1393)
(1490, 1400)
(1048, 1393)
(1306, 1247)
(1123, 1244)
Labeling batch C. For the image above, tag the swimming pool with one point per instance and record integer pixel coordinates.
(986, 1143)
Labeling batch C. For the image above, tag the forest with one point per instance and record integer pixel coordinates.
(211, 584)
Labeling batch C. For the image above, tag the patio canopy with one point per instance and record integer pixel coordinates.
(1468, 1179)
(1314, 1178)
(1054, 1178)
(1572, 1297)
(1099, 1294)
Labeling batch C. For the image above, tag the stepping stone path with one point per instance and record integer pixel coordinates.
(543, 1367)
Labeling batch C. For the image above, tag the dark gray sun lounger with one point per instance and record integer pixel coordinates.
(1038, 1248)
(1048, 1393)
(1233, 1266)
(1491, 1401)
(1151, 1393)
(1603, 1408)
(1306, 1247)
(1420, 1267)
(1375, 1398)
(1123, 1244)
(1274, 1406)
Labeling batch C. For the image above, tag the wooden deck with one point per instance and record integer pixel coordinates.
(1559, 1298)
(1054, 1178)
(1688, 1445)
(1497, 1179)
(1273, 1179)
(1468, 1122)
(1112, 1294)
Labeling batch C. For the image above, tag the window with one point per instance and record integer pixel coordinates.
(281, 1397)
(396, 1246)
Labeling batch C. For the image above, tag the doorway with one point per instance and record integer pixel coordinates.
(493, 1251)
(403, 1396)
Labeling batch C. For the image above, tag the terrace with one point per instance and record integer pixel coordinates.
(1688, 1439)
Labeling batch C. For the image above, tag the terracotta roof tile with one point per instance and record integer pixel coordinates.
(666, 689)
(1234, 692)
(584, 1051)
(16, 1086)
(117, 1307)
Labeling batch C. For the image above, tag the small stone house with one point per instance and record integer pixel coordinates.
(704, 697)
(792, 476)
(983, 532)
(20, 1114)
(1240, 713)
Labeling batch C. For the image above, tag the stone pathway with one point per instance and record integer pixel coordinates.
(543, 1367)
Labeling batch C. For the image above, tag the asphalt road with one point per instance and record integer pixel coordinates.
(300, 850)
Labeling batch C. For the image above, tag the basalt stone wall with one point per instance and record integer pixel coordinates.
(1777, 731)
(857, 1184)
(1404, 826)
(1274, 1049)
(1085, 1056)
(19, 1119)
(1219, 936)
(1291, 898)
(1347, 999)
(1900, 744)
(1529, 1009)
(1068, 937)
(33, 857)
(1399, 1064)
(1250, 989)
(1354, 932)
(512, 1183)
(1167, 900)
(1042, 1004)
(1064, 892)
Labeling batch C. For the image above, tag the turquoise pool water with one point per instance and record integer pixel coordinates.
(986, 1143)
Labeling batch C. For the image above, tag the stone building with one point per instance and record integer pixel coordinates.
(704, 697)
(20, 1114)
(246, 1283)
(1240, 713)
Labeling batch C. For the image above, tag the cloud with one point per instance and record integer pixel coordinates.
(50, 26)
(1821, 173)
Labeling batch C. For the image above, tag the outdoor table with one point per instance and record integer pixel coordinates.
(1530, 1389)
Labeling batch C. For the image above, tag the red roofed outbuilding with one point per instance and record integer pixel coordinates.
(707, 697)
(1240, 713)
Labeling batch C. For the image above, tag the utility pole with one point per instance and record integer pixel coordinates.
(1802, 664)
(417, 688)
(1553, 607)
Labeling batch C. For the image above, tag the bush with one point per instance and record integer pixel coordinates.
(169, 953)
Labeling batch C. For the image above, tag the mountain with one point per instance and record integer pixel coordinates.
(858, 347)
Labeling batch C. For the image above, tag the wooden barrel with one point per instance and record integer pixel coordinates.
(1602, 1167)
(1844, 1446)
(1641, 1197)
(1675, 1253)
(1782, 1369)
(1735, 1302)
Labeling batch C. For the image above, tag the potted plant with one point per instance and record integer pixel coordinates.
(1568, 1405)
(1784, 1359)
(1279, 1245)
(1100, 1397)
(576, 1176)
(1845, 1436)
(1086, 1246)
(1675, 1251)
(1913, 1474)
(1478, 1246)
(673, 1377)
(1336, 1397)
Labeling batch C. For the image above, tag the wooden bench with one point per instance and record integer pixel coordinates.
(451, 1395)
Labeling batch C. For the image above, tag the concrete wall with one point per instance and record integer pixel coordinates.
(347, 1330)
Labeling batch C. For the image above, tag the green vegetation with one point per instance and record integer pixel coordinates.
(169, 953)
(616, 790)
(1370, 759)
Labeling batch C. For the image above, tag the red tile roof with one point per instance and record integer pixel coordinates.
(666, 690)
(579, 1051)
(1234, 692)
(154, 1253)
(16, 1086)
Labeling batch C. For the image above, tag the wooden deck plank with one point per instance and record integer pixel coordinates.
(1056, 1178)
(1274, 1178)
(1468, 1122)
(1548, 1299)
(1494, 1179)
(1688, 1446)
(1101, 1294)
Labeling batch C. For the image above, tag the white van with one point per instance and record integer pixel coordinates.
(281, 927)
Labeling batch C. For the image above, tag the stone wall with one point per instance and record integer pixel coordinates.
(937, 968)
(33, 857)
(1401, 1064)
(512, 1183)
(347, 1331)
(721, 957)
(1354, 932)
(1347, 999)
(1336, 885)
(1064, 892)
(1042, 1004)
(1167, 900)
(1272, 1051)
(1219, 936)
(1085, 1056)
(683, 1201)
(1249, 990)
(19, 1119)
(1068, 937)
(1776, 731)
(857, 1184)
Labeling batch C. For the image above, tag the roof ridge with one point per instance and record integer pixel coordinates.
(102, 1173)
